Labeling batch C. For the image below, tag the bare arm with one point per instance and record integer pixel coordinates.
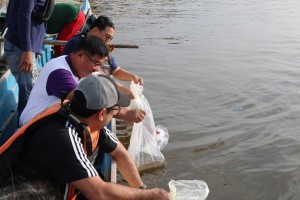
(94, 188)
(127, 114)
(126, 166)
(124, 75)
(125, 89)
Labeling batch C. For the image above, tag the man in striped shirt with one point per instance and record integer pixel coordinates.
(56, 151)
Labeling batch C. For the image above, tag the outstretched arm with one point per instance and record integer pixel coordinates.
(127, 114)
(94, 188)
(124, 75)
(125, 89)
(126, 166)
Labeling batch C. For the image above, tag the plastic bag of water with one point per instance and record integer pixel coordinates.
(188, 190)
(162, 136)
(143, 146)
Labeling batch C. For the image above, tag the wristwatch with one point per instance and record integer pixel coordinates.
(143, 187)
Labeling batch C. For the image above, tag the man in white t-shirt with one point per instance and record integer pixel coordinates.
(61, 75)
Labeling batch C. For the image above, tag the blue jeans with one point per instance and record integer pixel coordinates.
(25, 81)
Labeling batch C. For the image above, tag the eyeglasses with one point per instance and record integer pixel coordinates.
(96, 63)
(108, 37)
(116, 109)
(105, 68)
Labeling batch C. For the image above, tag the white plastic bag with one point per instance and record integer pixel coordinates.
(143, 146)
(162, 136)
(188, 190)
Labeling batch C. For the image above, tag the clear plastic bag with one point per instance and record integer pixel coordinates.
(137, 92)
(188, 190)
(143, 146)
(162, 136)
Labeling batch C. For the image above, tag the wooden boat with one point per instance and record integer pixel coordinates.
(9, 94)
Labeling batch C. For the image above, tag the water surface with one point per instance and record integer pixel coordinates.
(223, 77)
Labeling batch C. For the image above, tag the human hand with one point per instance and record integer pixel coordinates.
(137, 79)
(26, 61)
(158, 193)
(127, 114)
(136, 115)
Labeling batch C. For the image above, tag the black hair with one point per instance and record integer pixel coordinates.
(78, 105)
(102, 22)
(93, 46)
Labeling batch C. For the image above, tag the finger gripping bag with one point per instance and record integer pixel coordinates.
(143, 146)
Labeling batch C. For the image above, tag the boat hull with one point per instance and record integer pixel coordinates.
(8, 104)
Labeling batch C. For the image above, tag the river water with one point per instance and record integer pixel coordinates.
(223, 77)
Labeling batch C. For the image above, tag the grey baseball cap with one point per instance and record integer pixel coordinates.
(96, 92)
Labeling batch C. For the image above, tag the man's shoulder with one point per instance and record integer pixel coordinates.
(72, 44)
(76, 38)
(53, 121)
(53, 65)
(48, 128)
(55, 128)
(54, 61)
(60, 73)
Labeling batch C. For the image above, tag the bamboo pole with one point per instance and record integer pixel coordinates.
(63, 42)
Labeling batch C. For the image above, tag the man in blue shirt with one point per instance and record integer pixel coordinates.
(22, 41)
(104, 29)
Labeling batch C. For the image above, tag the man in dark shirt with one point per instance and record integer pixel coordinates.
(54, 151)
(23, 39)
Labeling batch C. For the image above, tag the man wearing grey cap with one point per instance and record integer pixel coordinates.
(55, 150)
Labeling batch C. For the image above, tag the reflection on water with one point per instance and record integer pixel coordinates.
(223, 77)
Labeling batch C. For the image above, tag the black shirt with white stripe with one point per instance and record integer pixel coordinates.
(54, 152)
